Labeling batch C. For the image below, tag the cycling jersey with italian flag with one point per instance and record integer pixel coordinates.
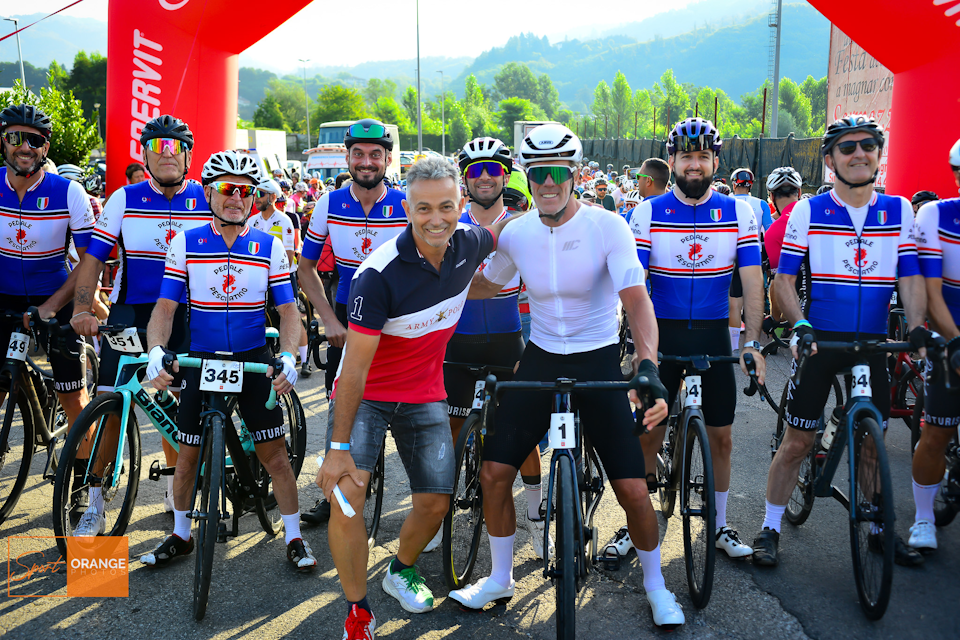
(938, 246)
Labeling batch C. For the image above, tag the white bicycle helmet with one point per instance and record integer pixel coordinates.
(633, 196)
(955, 154)
(550, 142)
(270, 186)
(783, 176)
(230, 163)
(485, 149)
(71, 172)
(301, 186)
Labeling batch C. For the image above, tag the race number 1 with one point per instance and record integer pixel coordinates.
(562, 434)
(18, 346)
(127, 341)
(222, 376)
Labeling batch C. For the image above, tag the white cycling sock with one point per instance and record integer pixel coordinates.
(170, 486)
(291, 527)
(720, 497)
(773, 516)
(923, 497)
(96, 500)
(303, 355)
(534, 494)
(181, 524)
(734, 338)
(652, 575)
(501, 559)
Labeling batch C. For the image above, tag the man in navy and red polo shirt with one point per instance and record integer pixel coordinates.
(405, 301)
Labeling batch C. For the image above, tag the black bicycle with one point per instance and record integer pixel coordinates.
(33, 419)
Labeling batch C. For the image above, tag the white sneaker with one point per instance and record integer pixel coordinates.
(622, 542)
(923, 536)
(729, 540)
(536, 529)
(91, 524)
(482, 592)
(435, 542)
(167, 502)
(409, 588)
(666, 611)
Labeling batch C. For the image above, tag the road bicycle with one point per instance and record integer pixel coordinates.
(33, 419)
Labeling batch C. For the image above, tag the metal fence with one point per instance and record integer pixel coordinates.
(760, 155)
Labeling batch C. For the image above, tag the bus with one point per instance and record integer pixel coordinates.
(329, 157)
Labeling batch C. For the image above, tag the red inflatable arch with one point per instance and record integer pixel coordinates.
(919, 41)
(179, 57)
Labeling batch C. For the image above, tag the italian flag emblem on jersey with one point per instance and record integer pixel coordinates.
(388, 211)
(715, 215)
(42, 203)
(191, 203)
(253, 247)
(882, 217)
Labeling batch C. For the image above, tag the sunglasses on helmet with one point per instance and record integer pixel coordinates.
(475, 169)
(559, 174)
(373, 131)
(743, 176)
(229, 188)
(693, 143)
(17, 138)
(848, 147)
(159, 145)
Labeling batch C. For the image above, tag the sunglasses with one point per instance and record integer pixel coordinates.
(475, 170)
(261, 193)
(17, 138)
(373, 131)
(229, 188)
(693, 143)
(743, 177)
(159, 145)
(643, 175)
(559, 175)
(848, 148)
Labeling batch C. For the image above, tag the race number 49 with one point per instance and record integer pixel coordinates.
(17, 350)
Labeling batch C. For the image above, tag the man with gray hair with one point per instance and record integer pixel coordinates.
(405, 301)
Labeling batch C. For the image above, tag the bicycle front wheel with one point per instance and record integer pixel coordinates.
(209, 513)
(699, 513)
(565, 572)
(101, 421)
(463, 524)
(16, 453)
(872, 537)
(374, 498)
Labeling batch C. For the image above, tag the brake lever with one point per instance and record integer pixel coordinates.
(646, 401)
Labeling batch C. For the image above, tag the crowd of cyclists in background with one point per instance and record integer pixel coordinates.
(445, 266)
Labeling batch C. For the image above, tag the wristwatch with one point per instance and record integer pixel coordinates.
(753, 344)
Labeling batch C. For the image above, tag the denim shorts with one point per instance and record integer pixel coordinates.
(421, 433)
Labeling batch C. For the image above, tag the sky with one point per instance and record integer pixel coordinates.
(451, 29)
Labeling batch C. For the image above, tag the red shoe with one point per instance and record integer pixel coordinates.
(359, 625)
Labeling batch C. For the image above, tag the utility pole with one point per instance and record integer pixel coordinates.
(16, 28)
(306, 98)
(443, 120)
(419, 118)
(775, 22)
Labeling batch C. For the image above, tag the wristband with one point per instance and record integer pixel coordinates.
(340, 446)
(802, 323)
(80, 313)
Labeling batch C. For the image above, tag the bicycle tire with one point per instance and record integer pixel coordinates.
(93, 373)
(209, 513)
(93, 418)
(916, 422)
(944, 510)
(565, 571)
(871, 503)
(14, 474)
(373, 503)
(800, 503)
(667, 495)
(909, 383)
(698, 510)
(463, 524)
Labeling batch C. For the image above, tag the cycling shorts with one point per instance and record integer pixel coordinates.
(69, 375)
(523, 417)
(497, 349)
(334, 353)
(805, 404)
(138, 315)
(941, 406)
(736, 286)
(719, 383)
(262, 423)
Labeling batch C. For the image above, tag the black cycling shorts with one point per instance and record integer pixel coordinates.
(523, 417)
(736, 286)
(262, 423)
(334, 353)
(941, 406)
(138, 315)
(719, 382)
(69, 375)
(498, 349)
(805, 403)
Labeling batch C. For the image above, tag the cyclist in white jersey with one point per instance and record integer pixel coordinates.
(577, 261)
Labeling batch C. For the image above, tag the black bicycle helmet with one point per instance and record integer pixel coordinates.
(167, 126)
(385, 140)
(921, 197)
(850, 124)
(28, 116)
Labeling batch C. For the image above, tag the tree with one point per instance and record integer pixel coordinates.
(459, 130)
(547, 96)
(293, 104)
(410, 104)
(268, 115)
(513, 110)
(643, 110)
(387, 110)
(793, 101)
(377, 89)
(515, 80)
(671, 101)
(473, 93)
(88, 82)
(336, 102)
(816, 92)
(602, 100)
(621, 99)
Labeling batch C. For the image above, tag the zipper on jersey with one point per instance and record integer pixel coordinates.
(693, 268)
(227, 314)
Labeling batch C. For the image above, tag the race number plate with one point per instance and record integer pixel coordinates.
(861, 382)
(694, 392)
(18, 346)
(222, 376)
(128, 341)
(478, 395)
(562, 434)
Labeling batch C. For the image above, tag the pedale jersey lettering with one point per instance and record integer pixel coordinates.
(226, 288)
(500, 314)
(34, 233)
(141, 222)
(938, 246)
(339, 219)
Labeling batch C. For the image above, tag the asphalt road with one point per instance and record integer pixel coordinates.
(256, 594)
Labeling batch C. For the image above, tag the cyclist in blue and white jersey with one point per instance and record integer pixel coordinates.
(938, 244)
(859, 244)
(692, 239)
(224, 269)
(140, 220)
(489, 331)
(742, 182)
(40, 211)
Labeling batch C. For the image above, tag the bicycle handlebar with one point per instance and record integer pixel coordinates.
(248, 367)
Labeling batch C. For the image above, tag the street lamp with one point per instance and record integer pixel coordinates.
(96, 107)
(306, 98)
(16, 28)
(443, 120)
(419, 118)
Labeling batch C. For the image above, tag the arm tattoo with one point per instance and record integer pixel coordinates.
(84, 296)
